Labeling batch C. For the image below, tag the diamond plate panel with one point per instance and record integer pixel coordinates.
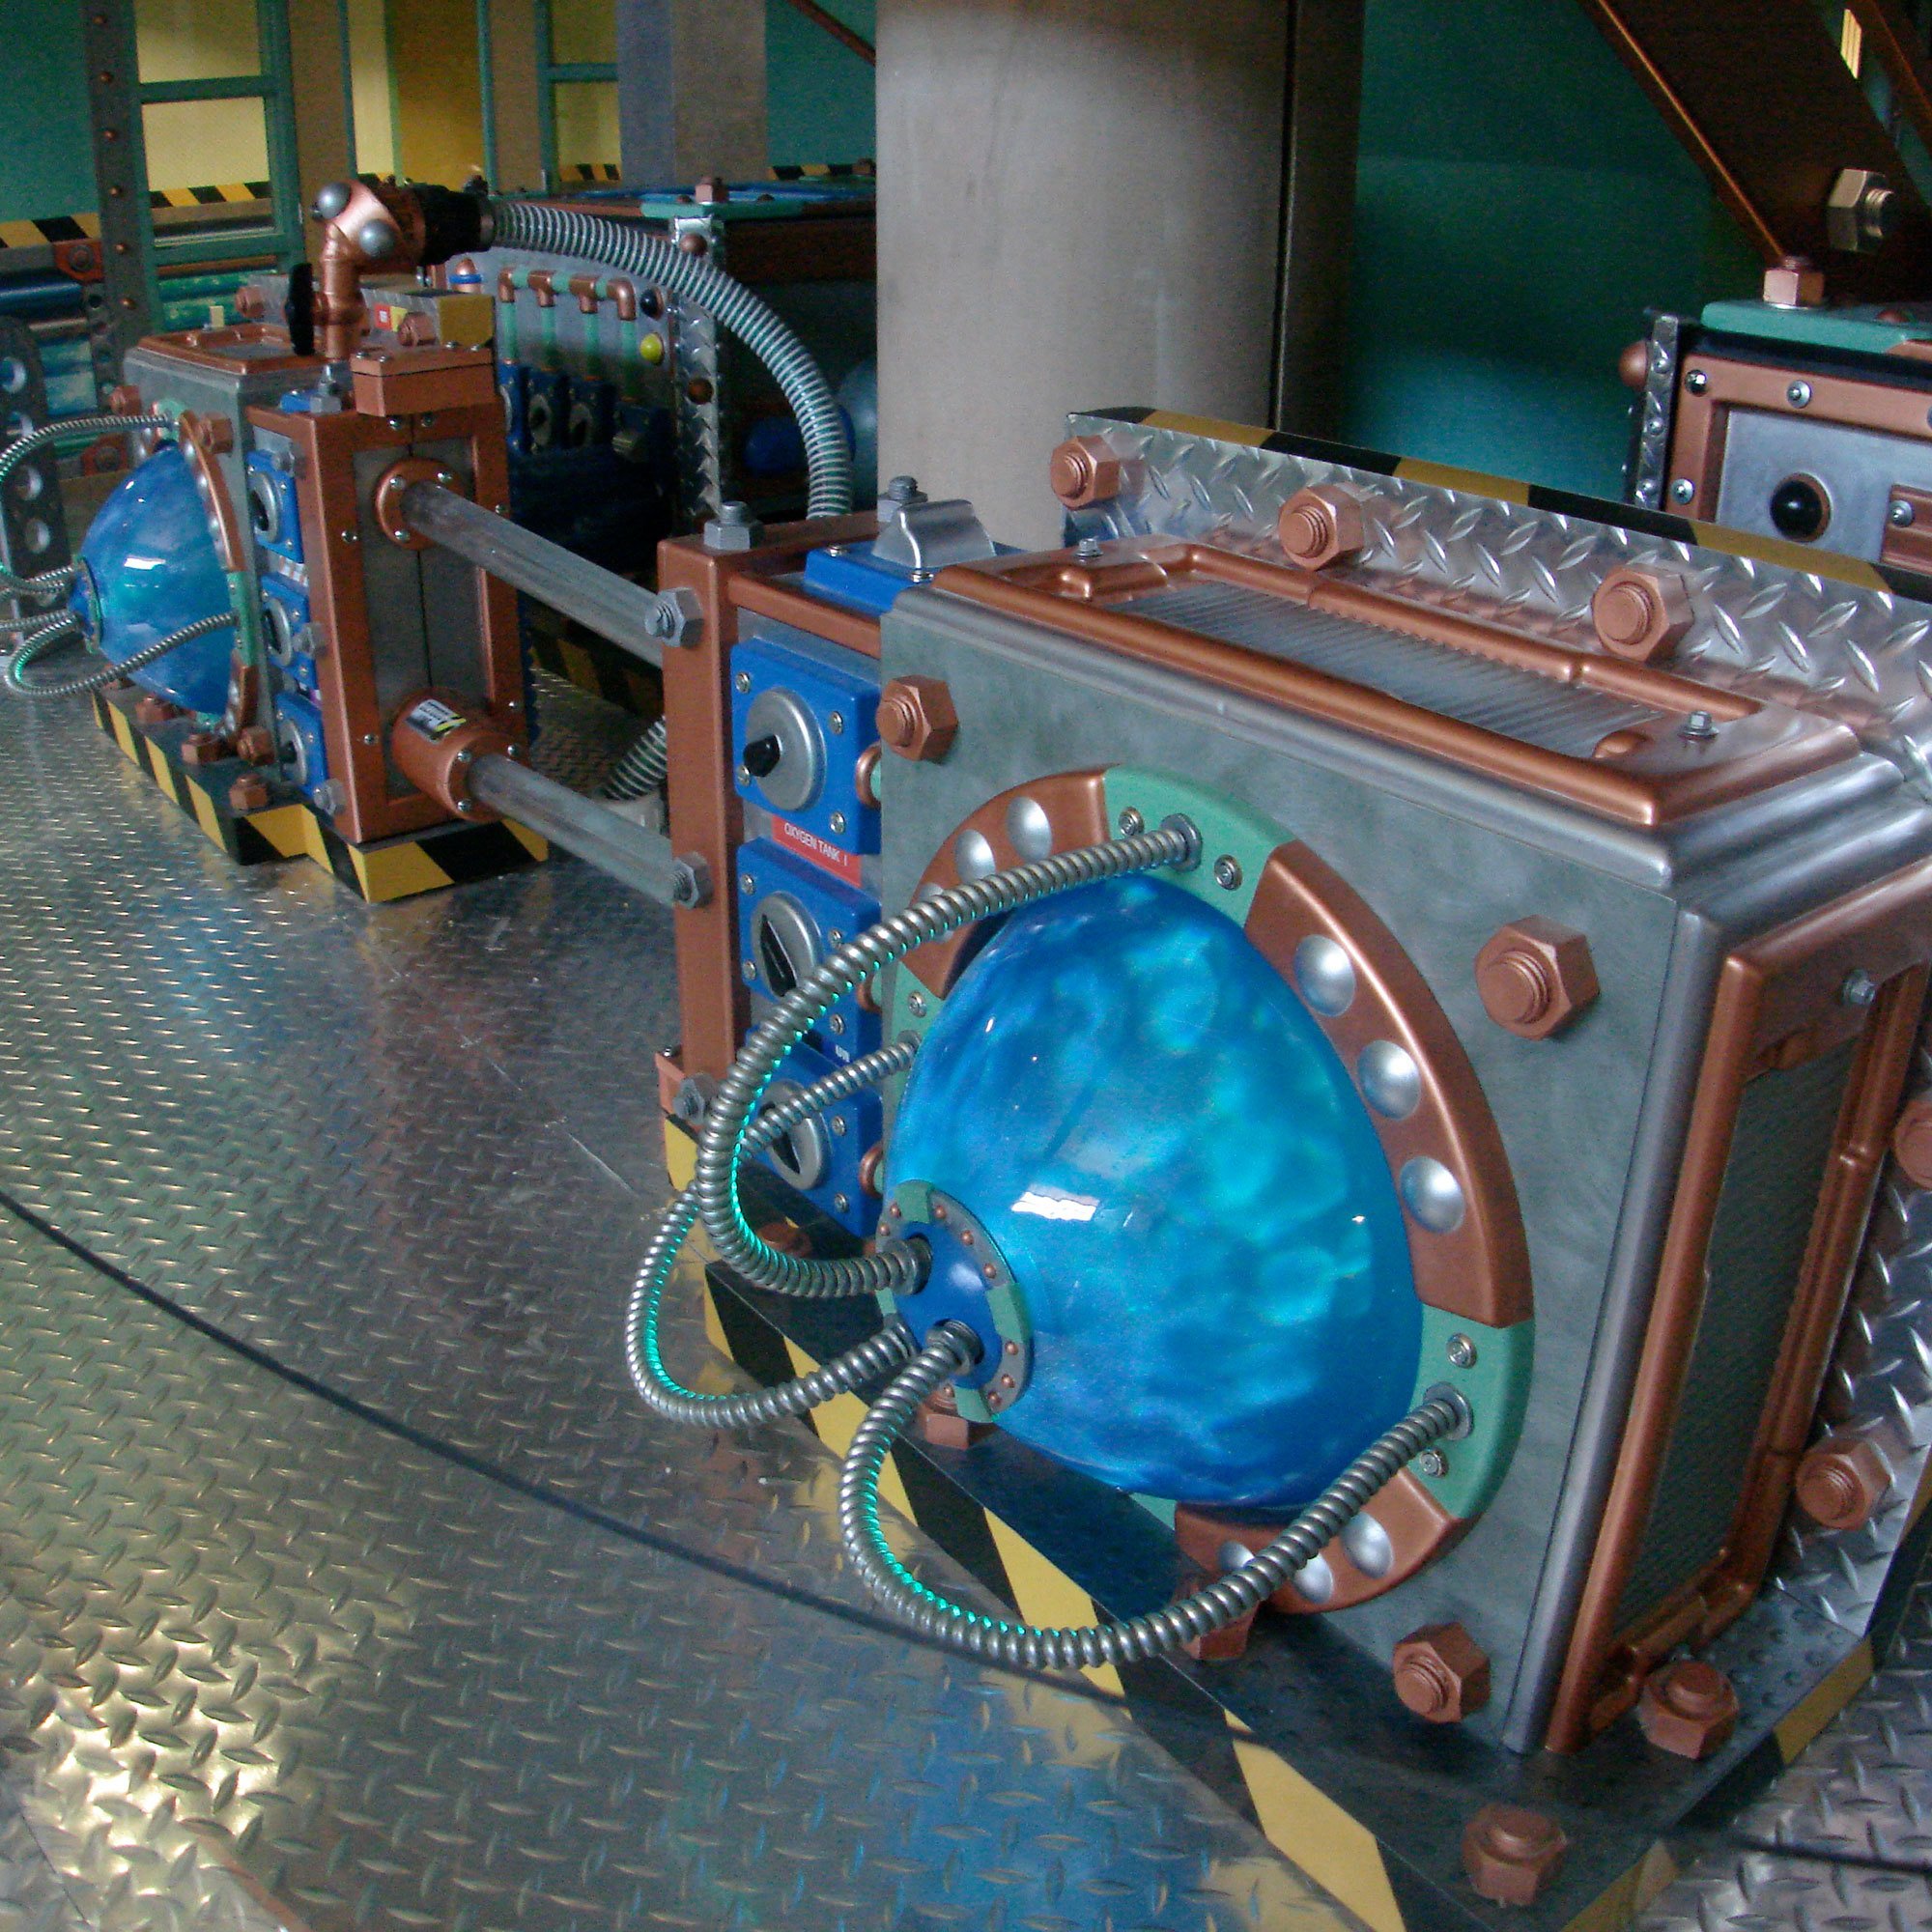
(242, 1634)
(1760, 1890)
(1854, 653)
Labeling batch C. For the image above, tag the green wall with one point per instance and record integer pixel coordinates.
(818, 94)
(1521, 204)
(46, 166)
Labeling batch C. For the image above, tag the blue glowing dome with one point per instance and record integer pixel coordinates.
(149, 566)
(1193, 1202)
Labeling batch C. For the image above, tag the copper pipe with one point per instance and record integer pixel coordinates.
(839, 30)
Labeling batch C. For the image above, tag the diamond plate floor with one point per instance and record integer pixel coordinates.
(265, 1666)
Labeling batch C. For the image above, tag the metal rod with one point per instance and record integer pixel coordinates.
(636, 620)
(486, 87)
(629, 852)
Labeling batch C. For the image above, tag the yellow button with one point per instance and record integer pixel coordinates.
(652, 349)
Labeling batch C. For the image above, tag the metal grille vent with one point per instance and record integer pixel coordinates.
(1513, 703)
(1783, 1137)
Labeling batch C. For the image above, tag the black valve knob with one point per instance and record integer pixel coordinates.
(762, 756)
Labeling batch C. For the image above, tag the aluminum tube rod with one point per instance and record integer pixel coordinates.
(639, 858)
(633, 618)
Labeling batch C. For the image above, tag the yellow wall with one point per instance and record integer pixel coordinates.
(202, 142)
(438, 115)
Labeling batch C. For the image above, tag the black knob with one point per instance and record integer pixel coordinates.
(1798, 509)
(762, 756)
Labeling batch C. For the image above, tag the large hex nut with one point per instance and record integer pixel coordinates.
(1441, 1673)
(1535, 977)
(1912, 1141)
(1841, 1480)
(916, 718)
(1640, 614)
(1513, 1853)
(1321, 526)
(1687, 1707)
(1860, 212)
(1084, 470)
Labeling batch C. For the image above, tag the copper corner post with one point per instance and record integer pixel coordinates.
(1781, 1002)
(706, 818)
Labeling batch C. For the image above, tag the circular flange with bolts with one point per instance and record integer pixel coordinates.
(390, 488)
(968, 1282)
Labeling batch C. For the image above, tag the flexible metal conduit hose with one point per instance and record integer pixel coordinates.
(954, 1347)
(641, 769)
(558, 231)
(894, 1267)
(51, 582)
(15, 675)
(854, 1369)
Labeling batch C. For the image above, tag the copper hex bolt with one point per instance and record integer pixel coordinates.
(1084, 470)
(1535, 977)
(1912, 1141)
(1512, 1854)
(124, 398)
(916, 718)
(1841, 1480)
(1687, 1707)
(1640, 614)
(203, 747)
(940, 1423)
(255, 743)
(150, 710)
(248, 793)
(1321, 526)
(1441, 1673)
(1795, 283)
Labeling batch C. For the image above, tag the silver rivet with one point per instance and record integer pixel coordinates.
(350, 536)
(1699, 725)
(1369, 1547)
(1697, 382)
(1798, 394)
(1391, 1081)
(835, 1024)
(835, 723)
(1683, 490)
(1028, 828)
(839, 1126)
(1432, 1463)
(747, 972)
(1314, 1582)
(972, 853)
(746, 883)
(836, 821)
(743, 775)
(1860, 988)
(1325, 975)
(1900, 514)
(916, 1005)
(742, 682)
(1461, 1352)
(1227, 872)
(1130, 822)
(1432, 1194)
(842, 1204)
(1087, 550)
(368, 737)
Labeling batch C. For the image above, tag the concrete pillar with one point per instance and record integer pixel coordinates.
(691, 90)
(1079, 207)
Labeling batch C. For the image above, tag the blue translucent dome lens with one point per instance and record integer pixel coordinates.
(148, 567)
(1188, 1190)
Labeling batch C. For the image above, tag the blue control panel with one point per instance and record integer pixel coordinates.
(792, 915)
(802, 719)
(285, 633)
(299, 742)
(274, 513)
(822, 1159)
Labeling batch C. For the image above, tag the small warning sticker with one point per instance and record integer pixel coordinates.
(434, 719)
(820, 851)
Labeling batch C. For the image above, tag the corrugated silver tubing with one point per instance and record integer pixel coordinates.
(15, 675)
(855, 1369)
(51, 582)
(641, 769)
(954, 1347)
(894, 1267)
(651, 258)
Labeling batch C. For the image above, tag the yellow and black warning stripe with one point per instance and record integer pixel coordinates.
(1374, 1878)
(590, 171)
(45, 230)
(1540, 496)
(387, 869)
(792, 171)
(591, 664)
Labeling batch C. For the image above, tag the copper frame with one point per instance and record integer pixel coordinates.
(706, 814)
(354, 729)
(1779, 1004)
(1648, 776)
(1703, 417)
